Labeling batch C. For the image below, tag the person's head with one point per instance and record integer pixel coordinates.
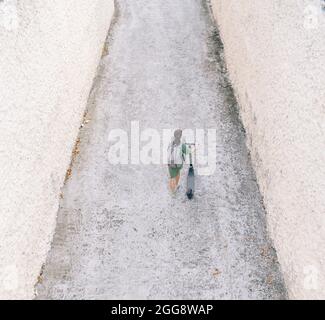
(178, 136)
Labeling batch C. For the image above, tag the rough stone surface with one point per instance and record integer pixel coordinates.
(119, 232)
(275, 53)
(49, 53)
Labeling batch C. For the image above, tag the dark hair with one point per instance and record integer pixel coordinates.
(177, 136)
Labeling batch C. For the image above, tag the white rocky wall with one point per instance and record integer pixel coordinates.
(275, 52)
(49, 52)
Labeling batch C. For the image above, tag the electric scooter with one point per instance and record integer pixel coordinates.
(190, 176)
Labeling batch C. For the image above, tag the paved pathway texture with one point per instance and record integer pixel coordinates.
(119, 232)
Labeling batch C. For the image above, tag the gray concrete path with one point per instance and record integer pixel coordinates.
(119, 233)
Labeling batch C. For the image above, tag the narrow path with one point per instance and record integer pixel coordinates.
(119, 233)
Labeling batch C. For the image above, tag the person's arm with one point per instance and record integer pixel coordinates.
(186, 149)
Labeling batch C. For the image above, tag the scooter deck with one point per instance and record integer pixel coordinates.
(190, 183)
